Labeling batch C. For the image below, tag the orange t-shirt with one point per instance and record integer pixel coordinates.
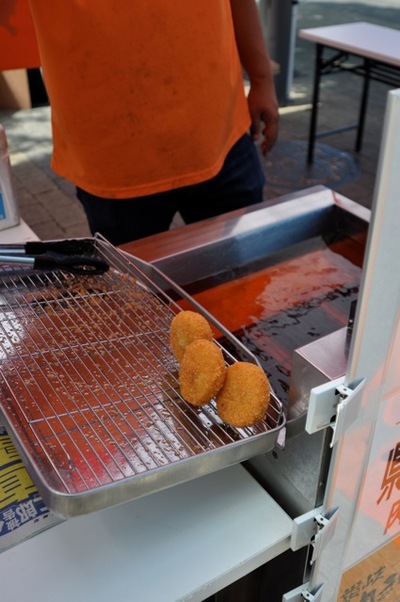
(146, 95)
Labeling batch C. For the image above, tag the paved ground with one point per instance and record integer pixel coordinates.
(48, 204)
(352, 174)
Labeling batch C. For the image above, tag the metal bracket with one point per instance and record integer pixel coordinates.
(304, 593)
(315, 528)
(334, 405)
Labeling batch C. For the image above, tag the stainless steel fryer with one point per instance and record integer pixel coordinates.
(89, 388)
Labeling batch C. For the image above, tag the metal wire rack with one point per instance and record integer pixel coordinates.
(90, 391)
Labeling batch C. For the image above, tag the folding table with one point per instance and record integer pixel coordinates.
(378, 51)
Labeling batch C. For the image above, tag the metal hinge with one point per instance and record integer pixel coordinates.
(314, 528)
(304, 593)
(334, 405)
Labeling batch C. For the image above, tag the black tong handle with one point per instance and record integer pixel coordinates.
(78, 264)
(70, 246)
(64, 247)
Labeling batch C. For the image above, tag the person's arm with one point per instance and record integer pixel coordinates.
(255, 60)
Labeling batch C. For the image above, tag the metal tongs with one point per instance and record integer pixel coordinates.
(71, 255)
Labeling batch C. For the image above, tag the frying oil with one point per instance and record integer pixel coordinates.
(283, 302)
(9, 214)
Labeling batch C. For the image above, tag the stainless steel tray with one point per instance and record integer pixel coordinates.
(89, 385)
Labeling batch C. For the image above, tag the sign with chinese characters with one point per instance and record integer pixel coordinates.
(22, 510)
(377, 519)
(376, 579)
(390, 488)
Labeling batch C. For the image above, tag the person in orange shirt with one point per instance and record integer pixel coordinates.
(149, 113)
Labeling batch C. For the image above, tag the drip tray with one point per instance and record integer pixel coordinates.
(89, 386)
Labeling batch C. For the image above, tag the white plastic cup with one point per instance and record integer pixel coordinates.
(9, 213)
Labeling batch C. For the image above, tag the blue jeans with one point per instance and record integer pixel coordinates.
(239, 184)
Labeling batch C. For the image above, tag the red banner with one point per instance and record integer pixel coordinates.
(18, 47)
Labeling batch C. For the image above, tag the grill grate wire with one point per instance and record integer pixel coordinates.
(89, 384)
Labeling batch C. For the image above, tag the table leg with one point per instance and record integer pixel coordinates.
(315, 103)
(363, 105)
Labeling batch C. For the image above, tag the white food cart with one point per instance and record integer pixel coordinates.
(317, 517)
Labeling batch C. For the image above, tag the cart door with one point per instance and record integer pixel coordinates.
(362, 560)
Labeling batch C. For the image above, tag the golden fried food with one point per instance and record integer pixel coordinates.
(202, 372)
(186, 327)
(244, 398)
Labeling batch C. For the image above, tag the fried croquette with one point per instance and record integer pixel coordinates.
(202, 372)
(244, 398)
(186, 327)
